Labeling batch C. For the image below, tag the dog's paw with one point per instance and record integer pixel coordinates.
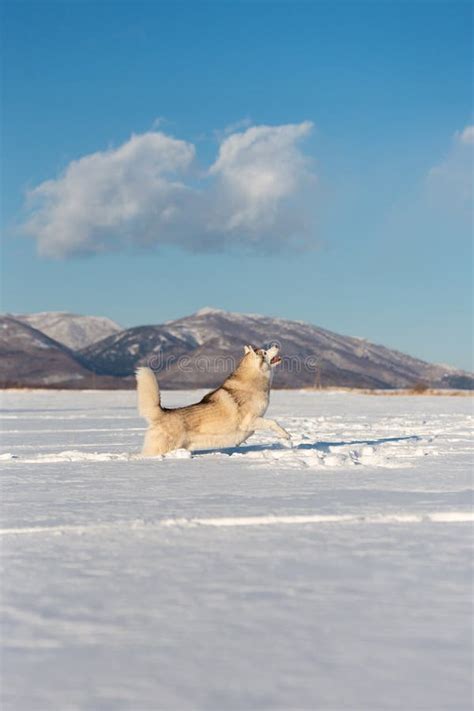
(179, 454)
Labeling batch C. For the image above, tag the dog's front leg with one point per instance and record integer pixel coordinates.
(262, 423)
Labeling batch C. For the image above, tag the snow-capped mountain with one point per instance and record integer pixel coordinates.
(72, 330)
(201, 349)
(29, 358)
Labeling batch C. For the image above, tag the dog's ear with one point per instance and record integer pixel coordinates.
(248, 349)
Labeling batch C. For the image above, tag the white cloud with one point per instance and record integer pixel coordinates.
(467, 136)
(450, 182)
(129, 194)
(256, 172)
(148, 192)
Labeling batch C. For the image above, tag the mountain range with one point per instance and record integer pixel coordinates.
(71, 330)
(65, 350)
(30, 358)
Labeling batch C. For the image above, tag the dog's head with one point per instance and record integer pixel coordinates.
(263, 359)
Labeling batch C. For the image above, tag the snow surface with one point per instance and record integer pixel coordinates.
(333, 575)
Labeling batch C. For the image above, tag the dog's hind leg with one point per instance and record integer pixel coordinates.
(157, 442)
(262, 423)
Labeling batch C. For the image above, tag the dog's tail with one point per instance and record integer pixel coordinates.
(148, 395)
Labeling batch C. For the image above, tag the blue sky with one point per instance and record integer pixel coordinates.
(378, 196)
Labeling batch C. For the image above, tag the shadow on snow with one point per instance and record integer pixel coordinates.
(317, 446)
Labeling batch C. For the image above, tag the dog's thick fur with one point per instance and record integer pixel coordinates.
(225, 417)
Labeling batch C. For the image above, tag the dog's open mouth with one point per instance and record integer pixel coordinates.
(275, 360)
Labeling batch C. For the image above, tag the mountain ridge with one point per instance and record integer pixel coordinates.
(213, 333)
(201, 349)
(30, 358)
(72, 330)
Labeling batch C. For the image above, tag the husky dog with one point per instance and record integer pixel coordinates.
(225, 417)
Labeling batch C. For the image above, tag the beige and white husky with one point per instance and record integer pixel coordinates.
(225, 417)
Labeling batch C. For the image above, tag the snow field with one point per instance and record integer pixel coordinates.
(333, 575)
